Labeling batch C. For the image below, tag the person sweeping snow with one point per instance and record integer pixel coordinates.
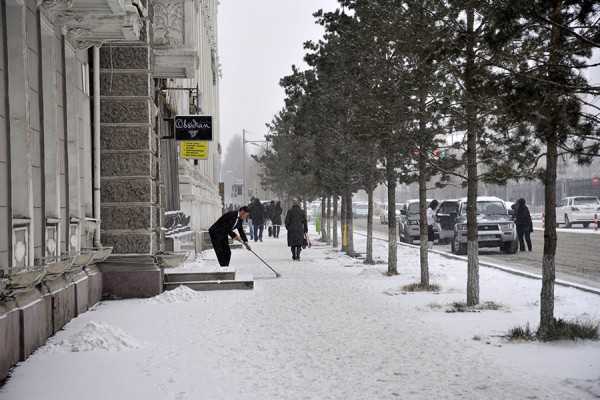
(224, 227)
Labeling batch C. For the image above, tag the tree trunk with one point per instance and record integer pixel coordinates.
(334, 242)
(392, 245)
(323, 216)
(550, 239)
(472, 179)
(423, 228)
(328, 219)
(349, 223)
(343, 221)
(369, 256)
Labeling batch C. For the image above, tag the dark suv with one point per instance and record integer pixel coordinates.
(495, 227)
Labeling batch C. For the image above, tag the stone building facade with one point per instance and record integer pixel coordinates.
(83, 104)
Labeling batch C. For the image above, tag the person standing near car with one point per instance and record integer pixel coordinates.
(297, 228)
(430, 223)
(524, 224)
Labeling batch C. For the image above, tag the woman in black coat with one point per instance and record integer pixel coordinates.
(276, 212)
(297, 227)
(524, 224)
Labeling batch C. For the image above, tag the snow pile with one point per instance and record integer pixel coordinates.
(181, 294)
(98, 336)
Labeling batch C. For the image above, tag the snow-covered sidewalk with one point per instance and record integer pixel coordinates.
(330, 328)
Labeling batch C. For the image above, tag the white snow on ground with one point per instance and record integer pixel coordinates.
(94, 336)
(181, 294)
(328, 329)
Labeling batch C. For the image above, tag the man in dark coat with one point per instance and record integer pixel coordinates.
(269, 217)
(297, 228)
(224, 227)
(276, 212)
(257, 213)
(524, 224)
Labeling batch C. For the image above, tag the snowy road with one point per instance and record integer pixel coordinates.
(577, 255)
(330, 328)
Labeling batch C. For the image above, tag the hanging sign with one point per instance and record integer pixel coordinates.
(193, 149)
(193, 127)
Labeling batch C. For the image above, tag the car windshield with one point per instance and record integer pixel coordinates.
(491, 208)
(448, 208)
(584, 201)
(413, 208)
(361, 206)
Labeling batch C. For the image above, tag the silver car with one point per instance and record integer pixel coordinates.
(408, 227)
(494, 226)
(578, 210)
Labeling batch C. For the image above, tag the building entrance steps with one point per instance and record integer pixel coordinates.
(203, 281)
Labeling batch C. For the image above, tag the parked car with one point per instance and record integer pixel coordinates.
(383, 218)
(577, 210)
(445, 217)
(408, 227)
(495, 227)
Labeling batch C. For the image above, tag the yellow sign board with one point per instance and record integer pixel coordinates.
(194, 149)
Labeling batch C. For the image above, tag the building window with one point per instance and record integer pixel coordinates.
(20, 247)
(52, 241)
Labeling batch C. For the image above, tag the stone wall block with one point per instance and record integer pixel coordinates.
(124, 84)
(9, 337)
(63, 306)
(35, 321)
(113, 57)
(125, 111)
(134, 217)
(126, 164)
(128, 243)
(80, 281)
(94, 285)
(126, 190)
(125, 138)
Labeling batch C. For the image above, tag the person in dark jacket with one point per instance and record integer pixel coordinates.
(524, 224)
(269, 217)
(276, 218)
(224, 227)
(257, 213)
(297, 228)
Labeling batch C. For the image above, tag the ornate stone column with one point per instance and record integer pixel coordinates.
(129, 170)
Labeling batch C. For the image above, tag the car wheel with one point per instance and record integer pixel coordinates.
(567, 222)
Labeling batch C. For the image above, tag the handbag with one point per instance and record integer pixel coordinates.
(306, 242)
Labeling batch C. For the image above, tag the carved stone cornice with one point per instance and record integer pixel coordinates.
(87, 23)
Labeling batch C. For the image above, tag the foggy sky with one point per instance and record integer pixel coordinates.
(259, 40)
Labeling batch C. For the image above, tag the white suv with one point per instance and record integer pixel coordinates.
(578, 210)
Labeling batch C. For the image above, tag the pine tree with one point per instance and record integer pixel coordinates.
(546, 110)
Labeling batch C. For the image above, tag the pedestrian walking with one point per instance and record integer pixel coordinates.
(269, 217)
(276, 219)
(250, 224)
(223, 228)
(257, 213)
(431, 222)
(524, 224)
(297, 228)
